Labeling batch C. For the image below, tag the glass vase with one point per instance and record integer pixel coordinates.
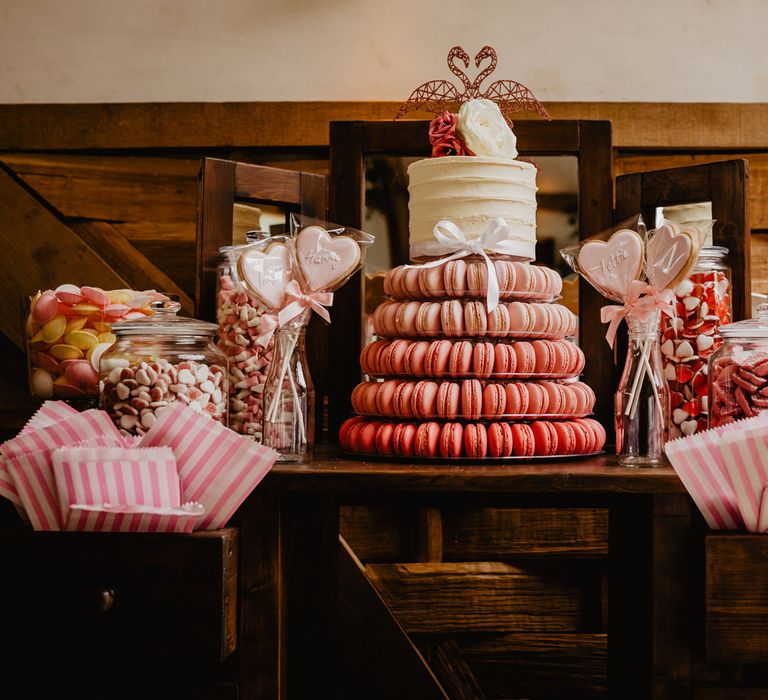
(289, 398)
(642, 398)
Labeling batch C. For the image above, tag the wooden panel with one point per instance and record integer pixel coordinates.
(454, 672)
(759, 243)
(737, 598)
(377, 659)
(758, 174)
(500, 533)
(731, 694)
(538, 665)
(112, 188)
(174, 125)
(380, 533)
(45, 253)
(488, 596)
(137, 596)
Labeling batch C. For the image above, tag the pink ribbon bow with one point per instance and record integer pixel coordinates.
(317, 301)
(269, 324)
(642, 301)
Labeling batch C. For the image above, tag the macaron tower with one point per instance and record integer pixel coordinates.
(456, 374)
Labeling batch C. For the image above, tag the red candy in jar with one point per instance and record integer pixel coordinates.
(738, 371)
(691, 336)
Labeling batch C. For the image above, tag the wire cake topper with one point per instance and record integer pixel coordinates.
(438, 96)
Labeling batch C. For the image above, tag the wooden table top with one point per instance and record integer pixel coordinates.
(332, 471)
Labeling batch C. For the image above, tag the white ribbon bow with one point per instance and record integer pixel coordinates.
(494, 238)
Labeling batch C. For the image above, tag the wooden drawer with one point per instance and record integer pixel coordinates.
(137, 596)
(737, 598)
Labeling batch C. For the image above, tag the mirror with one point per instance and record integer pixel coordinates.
(686, 214)
(256, 217)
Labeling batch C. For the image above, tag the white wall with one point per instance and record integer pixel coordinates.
(223, 50)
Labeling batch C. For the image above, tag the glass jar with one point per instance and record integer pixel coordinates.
(690, 337)
(289, 397)
(738, 371)
(239, 326)
(158, 360)
(642, 398)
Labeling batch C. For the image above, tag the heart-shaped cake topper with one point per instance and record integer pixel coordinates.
(266, 273)
(611, 266)
(325, 261)
(670, 253)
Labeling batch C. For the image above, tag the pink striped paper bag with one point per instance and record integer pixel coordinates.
(699, 464)
(745, 457)
(217, 467)
(28, 459)
(49, 413)
(762, 523)
(92, 476)
(107, 517)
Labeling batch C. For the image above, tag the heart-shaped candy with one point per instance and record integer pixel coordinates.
(611, 266)
(670, 254)
(266, 273)
(324, 260)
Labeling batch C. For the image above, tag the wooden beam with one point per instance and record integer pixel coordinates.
(715, 126)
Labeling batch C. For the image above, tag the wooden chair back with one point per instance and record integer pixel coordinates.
(352, 142)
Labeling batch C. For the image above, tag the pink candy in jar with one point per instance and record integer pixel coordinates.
(690, 337)
(738, 371)
(157, 361)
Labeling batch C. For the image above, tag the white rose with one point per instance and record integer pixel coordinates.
(485, 131)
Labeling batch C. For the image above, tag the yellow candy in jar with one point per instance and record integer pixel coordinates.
(119, 296)
(85, 309)
(82, 340)
(63, 351)
(107, 338)
(75, 324)
(101, 327)
(53, 330)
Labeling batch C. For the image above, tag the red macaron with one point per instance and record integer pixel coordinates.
(427, 439)
(500, 440)
(475, 440)
(471, 399)
(544, 438)
(522, 440)
(451, 440)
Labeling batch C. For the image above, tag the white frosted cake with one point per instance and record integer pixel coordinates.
(472, 178)
(471, 191)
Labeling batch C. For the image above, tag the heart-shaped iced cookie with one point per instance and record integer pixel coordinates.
(611, 266)
(324, 260)
(266, 273)
(669, 255)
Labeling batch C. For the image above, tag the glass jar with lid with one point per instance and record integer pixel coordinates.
(738, 371)
(702, 306)
(158, 360)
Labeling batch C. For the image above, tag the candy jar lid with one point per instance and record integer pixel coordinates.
(713, 253)
(253, 236)
(754, 328)
(164, 321)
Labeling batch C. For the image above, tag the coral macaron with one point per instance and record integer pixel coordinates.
(544, 438)
(475, 441)
(448, 400)
(494, 400)
(451, 440)
(403, 439)
(522, 440)
(427, 439)
(383, 439)
(471, 399)
(500, 440)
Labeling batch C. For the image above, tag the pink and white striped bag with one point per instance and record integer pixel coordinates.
(107, 517)
(28, 460)
(92, 476)
(217, 467)
(49, 413)
(745, 458)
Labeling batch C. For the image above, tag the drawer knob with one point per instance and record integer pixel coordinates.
(107, 599)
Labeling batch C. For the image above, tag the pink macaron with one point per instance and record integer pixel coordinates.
(525, 358)
(384, 395)
(544, 438)
(405, 318)
(451, 440)
(345, 428)
(483, 359)
(504, 360)
(383, 439)
(438, 356)
(389, 318)
(545, 359)
(428, 318)
(455, 278)
(555, 398)
(521, 319)
(452, 318)
(460, 359)
(562, 357)
(572, 399)
(448, 400)
(566, 438)
(475, 318)
(477, 279)
(471, 399)
(392, 358)
(599, 433)
(505, 273)
(475, 440)
(523, 277)
(424, 399)
(366, 437)
(409, 282)
(522, 440)
(494, 401)
(498, 321)
(401, 401)
(538, 400)
(583, 436)
(415, 359)
(431, 282)
(394, 274)
(427, 439)
(517, 398)
(500, 440)
(403, 439)
(369, 356)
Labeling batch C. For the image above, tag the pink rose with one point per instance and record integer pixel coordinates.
(444, 139)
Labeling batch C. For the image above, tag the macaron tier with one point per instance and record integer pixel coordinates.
(471, 440)
(518, 281)
(450, 380)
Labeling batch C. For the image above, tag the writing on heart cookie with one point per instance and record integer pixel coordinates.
(266, 273)
(325, 260)
(612, 265)
(670, 255)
